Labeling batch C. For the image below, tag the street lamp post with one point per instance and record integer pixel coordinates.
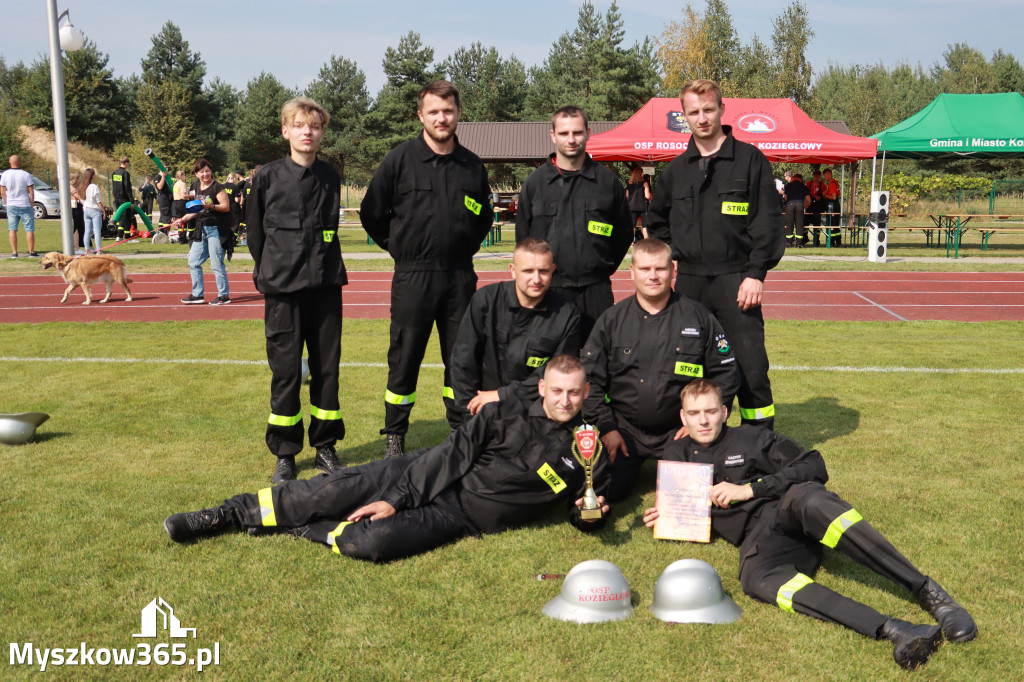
(70, 38)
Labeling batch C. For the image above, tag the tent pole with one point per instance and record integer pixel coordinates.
(874, 166)
(881, 177)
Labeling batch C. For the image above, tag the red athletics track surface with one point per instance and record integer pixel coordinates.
(962, 296)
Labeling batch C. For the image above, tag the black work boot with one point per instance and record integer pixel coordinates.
(191, 525)
(284, 471)
(326, 460)
(395, 445)
(912, 644)
(957, 624)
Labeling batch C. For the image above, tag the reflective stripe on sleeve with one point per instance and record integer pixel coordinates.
(603, 229)
(688, 369)
(278, 420)
(335, 533)
(839, 526)
(267, 507)
(324, 415)
(395, 399)
(536, 362)
(787, 591)
(757, 412)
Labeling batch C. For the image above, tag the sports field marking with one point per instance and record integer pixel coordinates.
(437, 365)
(882, 307)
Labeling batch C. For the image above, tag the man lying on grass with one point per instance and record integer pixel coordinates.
(505, 467)
(769, 499)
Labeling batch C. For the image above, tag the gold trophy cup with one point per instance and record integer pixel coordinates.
(586, 448)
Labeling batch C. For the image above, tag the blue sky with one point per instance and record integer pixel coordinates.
(293, 38)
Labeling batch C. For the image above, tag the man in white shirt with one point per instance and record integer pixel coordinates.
(18, 194)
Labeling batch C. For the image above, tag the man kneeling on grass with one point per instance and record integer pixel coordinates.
(505, 467)
(769, 499)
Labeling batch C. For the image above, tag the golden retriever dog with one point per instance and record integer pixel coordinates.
(84, 271)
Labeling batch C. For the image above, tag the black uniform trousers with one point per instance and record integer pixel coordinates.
(781, 553)
(323, 503)
(419, 300)
(592, 300)
(795, 220)
(642, 445)
(311, 317)
(745, 331)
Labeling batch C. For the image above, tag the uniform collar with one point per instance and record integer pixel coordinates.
(295, 169)
(589, 170)
(726, 151)
(672, 298)
(424, 153)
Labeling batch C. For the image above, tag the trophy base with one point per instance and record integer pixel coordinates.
(590, 514)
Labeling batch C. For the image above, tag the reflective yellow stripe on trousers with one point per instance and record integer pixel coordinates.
(267, 507)
(787, 591)
(757, 412)
(324, 415)
(839, 526)
(335, 533)
(278, 420)
(395, 399)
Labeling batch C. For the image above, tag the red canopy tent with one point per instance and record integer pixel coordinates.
(778, 127)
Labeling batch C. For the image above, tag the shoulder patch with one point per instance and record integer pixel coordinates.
(722, 344)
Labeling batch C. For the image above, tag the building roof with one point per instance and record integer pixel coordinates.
(515, 142)
(836, 126)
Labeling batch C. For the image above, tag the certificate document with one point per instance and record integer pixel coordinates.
(683, 501)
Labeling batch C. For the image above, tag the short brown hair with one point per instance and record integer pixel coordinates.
(564, 363)
(570, 111)
(124, 160)
(442, 89)
(200, 164)
(699, 387)
(652, 246)
(702, 86)
(304, 105)
(533, 245)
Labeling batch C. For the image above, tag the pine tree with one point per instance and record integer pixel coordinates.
(340, 88)
(258, 132)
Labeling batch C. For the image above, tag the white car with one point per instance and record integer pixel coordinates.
(47, 199)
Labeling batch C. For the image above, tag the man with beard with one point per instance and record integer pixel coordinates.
(580, 208)
(428, 205)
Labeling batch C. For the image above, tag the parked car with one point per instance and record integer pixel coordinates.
(3, 211)
(47, 199)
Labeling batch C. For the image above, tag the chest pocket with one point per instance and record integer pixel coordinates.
(539, 350)
(414, 197)
(687, 358)
(735, 199)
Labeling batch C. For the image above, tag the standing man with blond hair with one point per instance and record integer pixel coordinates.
(579, 207)
(292, 222)
(429, 206)
(717, 206)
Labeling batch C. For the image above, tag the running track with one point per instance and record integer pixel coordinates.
(962, 296)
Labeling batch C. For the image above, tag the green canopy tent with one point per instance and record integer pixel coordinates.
(956, 127)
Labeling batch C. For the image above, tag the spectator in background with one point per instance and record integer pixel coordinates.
(77, 213)
(638, 194)
(831, 193)
(18, 194)
(816, 187)
(180, 198)
(92, 209)
(121, 184)
(798, 198)
(210, 237)
(163, 199)
(147, 192)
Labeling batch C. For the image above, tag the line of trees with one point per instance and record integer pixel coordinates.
(174, 108)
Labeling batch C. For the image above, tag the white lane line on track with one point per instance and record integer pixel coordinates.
(383, 365)
(898, 317)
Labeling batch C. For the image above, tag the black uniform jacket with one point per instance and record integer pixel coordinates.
(721, 220)
(510, 464)
(121, 185)
(292, 227)
(583, 215)
(637, 363)
(768, 461)
(430, 211)
(503, 346)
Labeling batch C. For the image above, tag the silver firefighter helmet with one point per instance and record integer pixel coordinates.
(594, 591)
(690, 591)
(16, 429)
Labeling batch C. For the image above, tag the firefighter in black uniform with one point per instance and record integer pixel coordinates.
(769, 499)
(163, 200)
(510, 331)
(579, 207)
(717, 206)
(292, 217)
(429, 205)
(121, 184)
(231, 188)
(508, 465)
(642, 352)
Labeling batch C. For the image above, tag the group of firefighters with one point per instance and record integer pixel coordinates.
(528, 361)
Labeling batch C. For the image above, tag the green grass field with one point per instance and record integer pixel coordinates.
(920, 429)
